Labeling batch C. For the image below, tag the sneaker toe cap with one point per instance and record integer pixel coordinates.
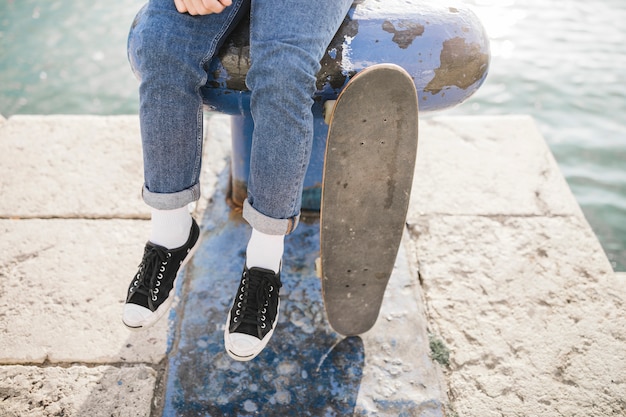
(243, 345)
(135, 315)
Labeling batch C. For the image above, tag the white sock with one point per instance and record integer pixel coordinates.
(170, 228)
(265, 251)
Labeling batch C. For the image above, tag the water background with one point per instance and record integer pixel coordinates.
(561, 61)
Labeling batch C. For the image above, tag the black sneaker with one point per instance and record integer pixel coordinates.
(252, 318)
(151, 291)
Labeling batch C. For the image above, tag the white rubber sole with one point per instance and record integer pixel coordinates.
(251, 353)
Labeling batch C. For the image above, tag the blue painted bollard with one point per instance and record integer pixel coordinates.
(444, 48)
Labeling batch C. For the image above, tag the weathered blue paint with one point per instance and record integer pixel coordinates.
(444, 48)
(306, 369)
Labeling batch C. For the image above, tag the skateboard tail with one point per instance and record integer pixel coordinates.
(365, 309)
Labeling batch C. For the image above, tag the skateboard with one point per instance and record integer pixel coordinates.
(368, 174)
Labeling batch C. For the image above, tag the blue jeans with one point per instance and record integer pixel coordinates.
(170, 53)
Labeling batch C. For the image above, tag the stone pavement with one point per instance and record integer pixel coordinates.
(502, 302)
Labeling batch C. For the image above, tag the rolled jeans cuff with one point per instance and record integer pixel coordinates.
(266, 224)
(171, 201)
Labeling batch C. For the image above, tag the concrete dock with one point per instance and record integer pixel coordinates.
(502, 302)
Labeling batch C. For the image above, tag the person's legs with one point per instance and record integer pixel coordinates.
(287, 42)
(168, 52)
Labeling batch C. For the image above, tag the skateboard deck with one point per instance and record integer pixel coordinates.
(368, 174)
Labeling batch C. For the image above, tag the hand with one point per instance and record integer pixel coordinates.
(201, 7)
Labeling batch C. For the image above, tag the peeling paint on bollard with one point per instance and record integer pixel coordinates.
(407, 33)
(445, 49)
(423, 38)
(458, 68)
